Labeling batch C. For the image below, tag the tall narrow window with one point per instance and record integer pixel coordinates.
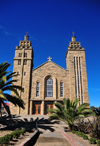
(75, 77)
(78, 79)
(25, 54)
(25, 62)
(24, 73)
(81, 80)
(61, 89)
(49, 87)
(19, 62)
(37, 89)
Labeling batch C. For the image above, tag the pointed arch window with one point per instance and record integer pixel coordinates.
(49, 87)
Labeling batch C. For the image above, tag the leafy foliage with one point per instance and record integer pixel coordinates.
(70, 111)
(73, 131)
(8, 137)
(92, 140)
(85, 137)
(98, 142)
(80, 134)
(7, 84)
(96, 110)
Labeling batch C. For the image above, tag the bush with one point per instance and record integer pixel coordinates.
(10, 137)
(5, 139)
(1, 140)
(73, 131)
(79, 133)
(98, 142)
(92, 140)
(85, 137)
(13, 134)
(22, 131)
(17, 133)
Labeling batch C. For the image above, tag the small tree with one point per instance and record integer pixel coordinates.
(70, 111)
(6, 84)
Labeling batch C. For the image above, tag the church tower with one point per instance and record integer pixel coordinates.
(76, 65)
(23, 64)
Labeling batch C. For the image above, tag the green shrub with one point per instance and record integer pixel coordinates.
(92, 140)
(1, 140)
(5, 139)
(79, 133)
(8, 136)
(98, 142)
(13, 134)
(23, 131)
(73, 131)
(17, 133)
(85, 137)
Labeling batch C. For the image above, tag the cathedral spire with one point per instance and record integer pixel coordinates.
(73, 37)
(26, 37)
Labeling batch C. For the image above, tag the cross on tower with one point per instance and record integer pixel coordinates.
(73, 33)
(49, 58)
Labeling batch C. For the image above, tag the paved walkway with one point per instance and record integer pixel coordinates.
(52, 133)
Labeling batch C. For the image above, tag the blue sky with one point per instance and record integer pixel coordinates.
(50, 24)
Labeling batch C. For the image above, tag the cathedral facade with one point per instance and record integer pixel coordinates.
(49, 82)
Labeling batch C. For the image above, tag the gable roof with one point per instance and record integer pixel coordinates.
(46, 63)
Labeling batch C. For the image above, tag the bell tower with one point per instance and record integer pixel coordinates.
(76, 65)
(23, 64)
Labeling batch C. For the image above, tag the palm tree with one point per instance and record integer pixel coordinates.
(70, 111)
(6, 84)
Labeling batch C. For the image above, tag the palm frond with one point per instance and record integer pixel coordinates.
(59, 106)
(12, 74)
(66, 103)
(15, 100)
(71, 111)
(6, 83)
(53, 117)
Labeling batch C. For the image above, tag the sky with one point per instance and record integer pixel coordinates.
(50, 24)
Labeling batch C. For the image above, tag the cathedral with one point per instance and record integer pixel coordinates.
(49, 82)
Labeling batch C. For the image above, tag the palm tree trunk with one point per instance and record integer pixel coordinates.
(0, 110)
